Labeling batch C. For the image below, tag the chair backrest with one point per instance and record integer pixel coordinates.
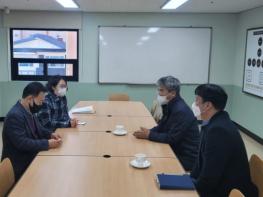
(256, 171)
(7, 177)
(236, 193)
(156, 111)
(119, 97)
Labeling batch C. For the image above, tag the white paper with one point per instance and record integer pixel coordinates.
(81, 123)
(83, 110)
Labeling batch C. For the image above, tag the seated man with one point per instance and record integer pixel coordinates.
(222, 162)
(178, 126)
(23, 137)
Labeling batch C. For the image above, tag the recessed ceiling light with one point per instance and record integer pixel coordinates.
(173, 4)
(68, 3)
(144, 38)
(153, 29)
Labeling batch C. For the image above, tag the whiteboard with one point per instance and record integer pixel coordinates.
(141, 55)
(253, 74)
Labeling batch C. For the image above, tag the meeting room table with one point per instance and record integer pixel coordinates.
(93, 162)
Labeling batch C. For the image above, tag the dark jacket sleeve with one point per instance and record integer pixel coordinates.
(215, 159)
(156, 128)
(178, 126)
(194, 172)
(43, 132)
(17, 135)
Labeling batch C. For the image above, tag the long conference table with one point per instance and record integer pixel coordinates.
(92, 162)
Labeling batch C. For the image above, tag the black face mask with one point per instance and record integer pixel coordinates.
(35, 108)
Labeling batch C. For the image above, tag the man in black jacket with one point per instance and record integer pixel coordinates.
(23, 136)
(222, 162)
(178, 126)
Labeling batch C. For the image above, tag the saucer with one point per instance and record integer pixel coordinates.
(116, 132)
(145, 164)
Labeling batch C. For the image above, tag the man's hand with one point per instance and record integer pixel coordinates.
(143, 133)
(73, 122)
(52, 143)
(55, 136)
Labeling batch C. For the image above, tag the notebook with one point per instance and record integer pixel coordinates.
(172, 181)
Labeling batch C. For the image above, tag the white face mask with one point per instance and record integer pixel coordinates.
(162, 100)
(196, 110)
(62, 92)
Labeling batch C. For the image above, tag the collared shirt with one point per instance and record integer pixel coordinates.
(31, 121)
(33, 126)
(54, 112)
(204, 123)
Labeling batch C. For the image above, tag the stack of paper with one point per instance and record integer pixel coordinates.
(83, 110)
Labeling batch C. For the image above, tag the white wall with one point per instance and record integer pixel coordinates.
(223, 40)
(43, 19)
(246, 109)
(249, 19)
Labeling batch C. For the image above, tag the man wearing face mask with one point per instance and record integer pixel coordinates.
(23, 136)
(178, 126)
(54, 112)
(222, 163)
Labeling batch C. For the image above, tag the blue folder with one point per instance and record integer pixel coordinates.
(179, 182)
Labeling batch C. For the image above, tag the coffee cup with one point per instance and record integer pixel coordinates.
(119, 128)
(140, 158)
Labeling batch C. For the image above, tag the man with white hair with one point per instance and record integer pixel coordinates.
(178, 126)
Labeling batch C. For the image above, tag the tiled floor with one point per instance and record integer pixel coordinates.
(252, 146)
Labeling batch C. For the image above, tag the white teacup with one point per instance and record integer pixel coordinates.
(119, 128)
(140, 158)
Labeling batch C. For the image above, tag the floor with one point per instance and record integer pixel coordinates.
(252, 146)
